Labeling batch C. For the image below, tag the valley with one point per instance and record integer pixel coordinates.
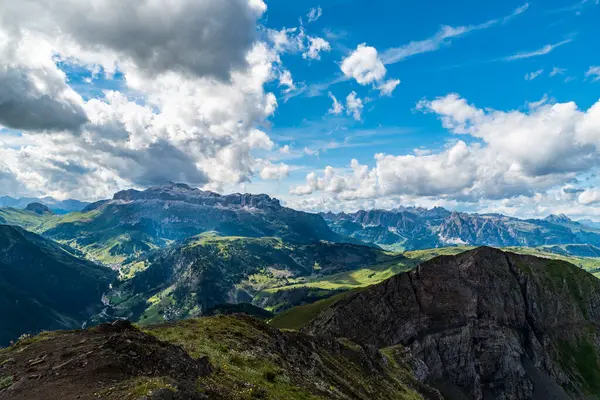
(187, 265)
(179, 251)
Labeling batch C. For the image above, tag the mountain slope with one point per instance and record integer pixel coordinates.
(57, 206)
(486, 323)
(187, 279)
(219, 358)
(418, 228)
(42, 286)
(136, 222)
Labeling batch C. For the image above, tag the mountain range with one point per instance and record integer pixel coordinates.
(136, 222)
(57, 206)
(414, 228)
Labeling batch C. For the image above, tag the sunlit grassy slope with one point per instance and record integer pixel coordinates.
(297, 317)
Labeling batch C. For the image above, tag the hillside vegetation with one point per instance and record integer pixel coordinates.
(217, 358)
(187, 279)
(43, 286)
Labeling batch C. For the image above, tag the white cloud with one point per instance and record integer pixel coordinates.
(314, 14)
(34, 94)
(191, 117)
(311, 152)
(589, 196)
(364, 65)
(387, 88)
(354, 106)
(442, 38)
(536, 104)
(532, 75)
(295, 40)
(287, 40)
(594, 73)
(536, 53)
(337, 108)
(498, 165)
(518, 11)
(557, 71)
(270, 171)
(190, 36)
(315, 47)
(286, 80)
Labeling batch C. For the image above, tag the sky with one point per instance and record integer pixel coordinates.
(328, 105)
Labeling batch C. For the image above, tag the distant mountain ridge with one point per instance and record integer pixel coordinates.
(136, 222)
(57, 206)
(420, 228)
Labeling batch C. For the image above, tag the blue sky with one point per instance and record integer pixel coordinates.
(476, 106)
(470, 65)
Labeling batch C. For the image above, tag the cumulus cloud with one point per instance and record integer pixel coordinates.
(337, 108)
(33, 93)
(589, 196)
(286, 80)
(388, 87)
(287, 39)
(499, 164)
(285, 149)
(315, 46)
(296, 40)
(354, 106)
(364, 65)
(194, 94)
(270, 171)
(190, 36)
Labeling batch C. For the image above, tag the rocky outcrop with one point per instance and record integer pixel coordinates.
(488, 324)
(99, 363)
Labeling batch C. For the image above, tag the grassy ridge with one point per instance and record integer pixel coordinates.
(253, 360)
(298, 317)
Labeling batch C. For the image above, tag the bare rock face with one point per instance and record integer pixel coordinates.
(487, 324)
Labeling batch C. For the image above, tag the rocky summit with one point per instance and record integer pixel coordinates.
(485, 324)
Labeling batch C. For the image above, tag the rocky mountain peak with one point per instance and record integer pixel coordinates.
(486, 323)
(184, 193)
(558, 219)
